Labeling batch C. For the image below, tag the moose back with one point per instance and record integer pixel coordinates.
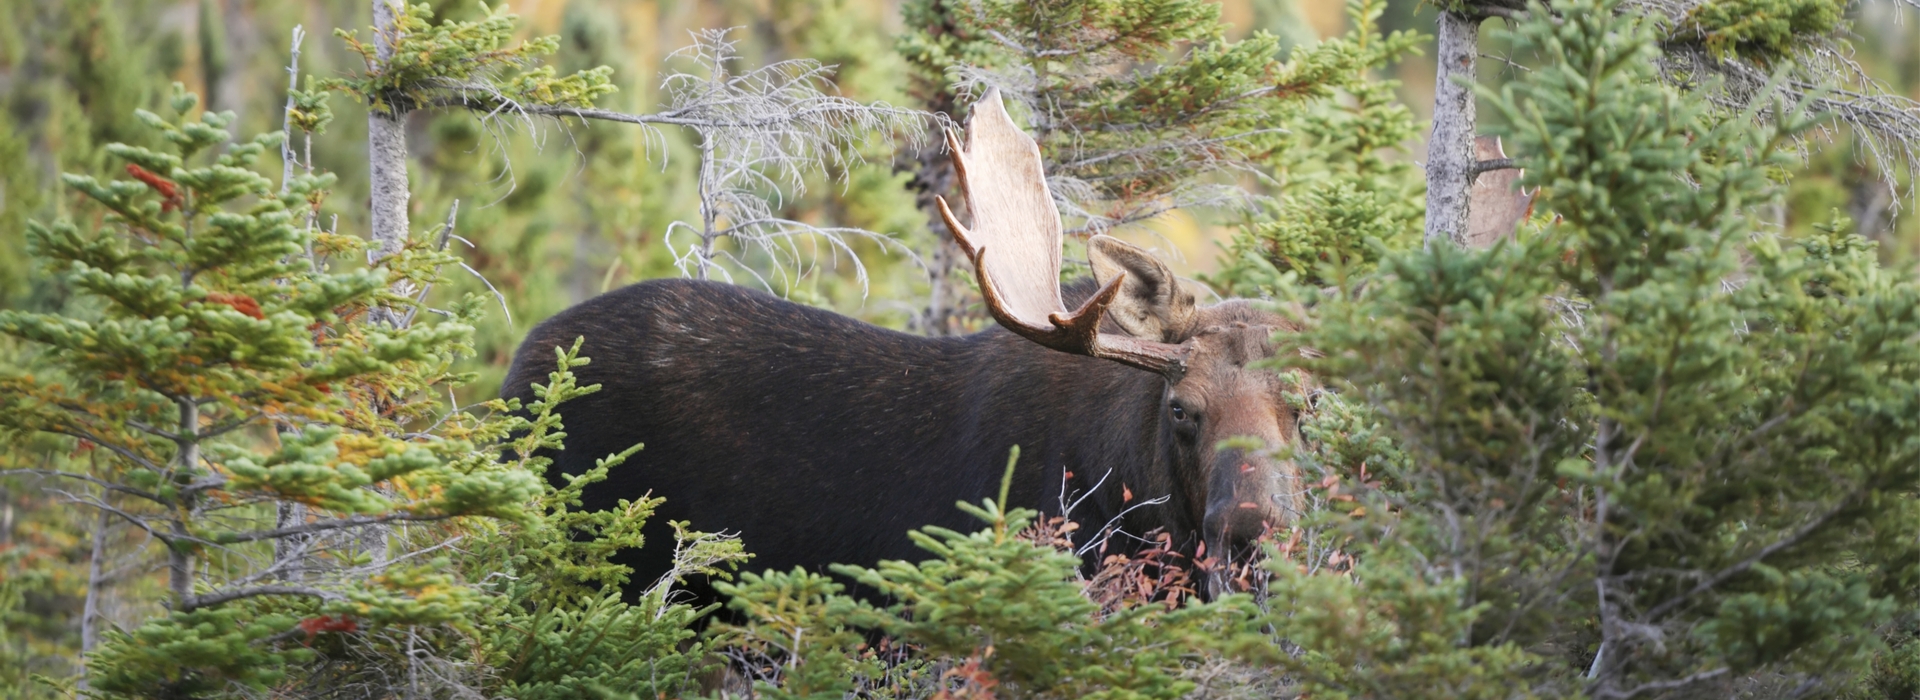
(821, 439)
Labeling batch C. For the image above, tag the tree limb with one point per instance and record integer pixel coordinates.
(1493, 164)
(1666, 685)
(212, 599)
(108, 485)
(329, 525)
(1797, 537)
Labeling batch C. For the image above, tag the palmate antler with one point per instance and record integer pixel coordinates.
(1014, 216)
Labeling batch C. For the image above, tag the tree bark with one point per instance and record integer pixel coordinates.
(1450, 147)
(387, 145)
(96, 581)
(179, 550)
(945, 295)
(946, 292)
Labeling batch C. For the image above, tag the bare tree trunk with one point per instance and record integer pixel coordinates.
(286, 114)
(946, 293)
(1868, 203)
(215, 75)
(287, 513)
(387, 146)
(96, 583)
(179, 554)
(709, 201)
(1450, 155)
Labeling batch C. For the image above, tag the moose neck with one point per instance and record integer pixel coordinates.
(1092, 437)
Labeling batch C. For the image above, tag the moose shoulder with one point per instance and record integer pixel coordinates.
(822, 439)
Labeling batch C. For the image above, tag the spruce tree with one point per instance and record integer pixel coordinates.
(1651, 450)
(1000, 612)
(211, 323)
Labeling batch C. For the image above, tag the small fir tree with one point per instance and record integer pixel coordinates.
(211, 324)
(1003, 611)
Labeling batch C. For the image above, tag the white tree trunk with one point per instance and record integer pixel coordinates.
(387, 148)
(1450, 147)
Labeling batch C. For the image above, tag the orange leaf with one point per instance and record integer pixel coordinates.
(166, 188)
(240, 302)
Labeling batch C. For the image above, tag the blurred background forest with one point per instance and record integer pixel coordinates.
(562, 212)
(558, 212)
(570, 210)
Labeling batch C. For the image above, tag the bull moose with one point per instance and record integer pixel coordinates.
(821, 439)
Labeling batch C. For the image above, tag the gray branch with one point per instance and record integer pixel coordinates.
(1665, 685)
(211, 599)
(286, 114)
(108, 485)
(1743, 565)
(329, 525)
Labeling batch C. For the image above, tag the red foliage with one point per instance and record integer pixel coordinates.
(327, 623)
(240, 302)
(1158, 574)
(968, 681)
(169, 192)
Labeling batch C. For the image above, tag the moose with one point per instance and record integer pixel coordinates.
(821, 439)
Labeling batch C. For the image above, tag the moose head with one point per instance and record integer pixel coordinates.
(1222, 421)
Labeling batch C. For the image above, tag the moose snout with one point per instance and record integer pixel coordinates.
(1250, 495)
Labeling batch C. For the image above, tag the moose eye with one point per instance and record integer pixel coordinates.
(1179, 411)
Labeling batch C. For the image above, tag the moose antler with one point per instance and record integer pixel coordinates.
(1014, 215)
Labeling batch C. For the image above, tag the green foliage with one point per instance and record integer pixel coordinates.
(310, 111)
(1004, 608)
(1344, 200)
(212, 323)
(474, 63)
(199, 653)
(1636, 463)
(1618, 403)
(1138, 107)
(804, 617)
(1764, 31)
(1385, 630)
(556, 625)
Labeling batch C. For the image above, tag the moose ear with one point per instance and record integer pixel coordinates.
(1151, 304)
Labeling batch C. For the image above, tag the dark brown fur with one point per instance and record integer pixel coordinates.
(822, 439)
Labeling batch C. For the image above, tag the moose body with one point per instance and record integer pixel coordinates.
(821, 439)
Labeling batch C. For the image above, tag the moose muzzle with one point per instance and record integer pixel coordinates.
(1250, 494)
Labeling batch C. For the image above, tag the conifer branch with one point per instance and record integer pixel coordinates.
(1663, 685)
(1798, 536)
(211, 599)
(329, 525)
(75, 432)
(102, 483)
